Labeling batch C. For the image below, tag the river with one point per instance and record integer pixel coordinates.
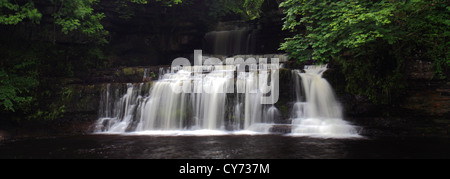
(223, 147)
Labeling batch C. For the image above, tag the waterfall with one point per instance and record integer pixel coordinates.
(231, 39)
(224, 97)
(119, 107)
(316, 111)
(184, 101)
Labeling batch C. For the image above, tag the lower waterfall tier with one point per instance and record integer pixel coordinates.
(219, 103)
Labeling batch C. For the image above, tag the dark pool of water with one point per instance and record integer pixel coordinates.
(223, 147)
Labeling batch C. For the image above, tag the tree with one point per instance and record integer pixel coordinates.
(247, 9)
(372, 40)
(43, 41)
(12, 13)
(16, 85)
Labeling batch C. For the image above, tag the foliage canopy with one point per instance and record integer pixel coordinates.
(29, 64)
(372, 40)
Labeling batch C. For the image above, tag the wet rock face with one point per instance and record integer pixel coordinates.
(125, 75)
(424, 94)
(281, 129)
(3, 135)
(427, 95)
(432, 102)
(156, 35)
(420, 70)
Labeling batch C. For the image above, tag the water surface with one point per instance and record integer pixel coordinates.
(222, 147)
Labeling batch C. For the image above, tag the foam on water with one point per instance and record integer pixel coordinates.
(186, 133)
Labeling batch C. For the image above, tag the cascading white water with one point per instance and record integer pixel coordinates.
(231, 42)
(185, 101)
(319, 113)
(119, 107)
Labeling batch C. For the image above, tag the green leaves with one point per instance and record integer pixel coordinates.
(16, 85)
(169, 3)
(332, 27)
(69, 15)
(139, 1)
(11, 13)
(373, 40)
(79, 15)
(252, 8)
(247, 9)
(32, 64)
(68, 25)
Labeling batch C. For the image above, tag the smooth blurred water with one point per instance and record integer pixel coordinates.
(223, 147)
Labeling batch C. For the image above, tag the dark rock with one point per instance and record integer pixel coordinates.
(281, 129)
(355, 105)
(420, 70)
(4, 135)
(137, 74)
